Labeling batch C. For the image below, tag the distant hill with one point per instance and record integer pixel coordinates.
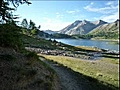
(51, 34)
(109, 30)
(50, 31)
(42, 34)
(81, 27)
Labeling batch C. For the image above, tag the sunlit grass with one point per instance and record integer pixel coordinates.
(105, 70)
(89, 48)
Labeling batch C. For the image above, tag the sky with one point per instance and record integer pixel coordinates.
(57, 14)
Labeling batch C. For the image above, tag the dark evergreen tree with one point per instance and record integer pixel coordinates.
(32, 25)
(24, 23)
(6, 11)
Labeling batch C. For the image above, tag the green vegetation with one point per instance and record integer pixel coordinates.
(10, 36)
(20, 69)
(58, 35)
(29, 28)
(88, 48)
(86, 36)
(24, 69)
(107, 31)
(110, 31)
(105, 70)
(6, 9)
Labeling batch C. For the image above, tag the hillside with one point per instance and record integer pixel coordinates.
(51, 34)
(106, 31)
(26, 71)
(21, 69)
(81, 27)
(50, 31)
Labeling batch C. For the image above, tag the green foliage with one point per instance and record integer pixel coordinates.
(25, 31)
(32, 25)
(10, 36)
(6, 11)
(106, 35)
(24, 23)
(111, 31)
(34, 32)
(87, 36)
(58, 35)
(32, 55)
(29, 29)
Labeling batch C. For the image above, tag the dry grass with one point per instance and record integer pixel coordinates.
(88, 48)
(25, 72)
(105, 70)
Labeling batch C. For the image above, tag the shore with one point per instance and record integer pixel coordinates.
(113, 40)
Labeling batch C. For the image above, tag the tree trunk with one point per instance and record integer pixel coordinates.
(1, 3)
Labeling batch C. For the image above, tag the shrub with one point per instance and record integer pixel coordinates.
(32, 55)
(10, 36)
(7, 57)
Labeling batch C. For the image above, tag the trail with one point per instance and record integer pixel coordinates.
(69, 80)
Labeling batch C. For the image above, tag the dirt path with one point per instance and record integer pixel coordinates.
(69, 81)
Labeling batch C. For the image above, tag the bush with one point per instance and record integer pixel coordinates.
(10, 36)
(32, 55)
(7, 57)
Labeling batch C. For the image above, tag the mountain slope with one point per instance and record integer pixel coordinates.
(50, 31)
(110, 30)
(81, 27)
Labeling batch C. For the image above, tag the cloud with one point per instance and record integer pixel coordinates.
(110, 3)
(108, 9)
(59, 16)
(73, 11)
(108, 18)
(109, 13)
(53, 24)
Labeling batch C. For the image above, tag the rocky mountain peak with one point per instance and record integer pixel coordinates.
(76, 22)
(118, 20)
(99, 22)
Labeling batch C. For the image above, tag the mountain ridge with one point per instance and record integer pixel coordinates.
(81, 27)
(109, 30)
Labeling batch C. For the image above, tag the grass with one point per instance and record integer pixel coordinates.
(47, 44)
(89, 48)
(105, 70)
(7, 57)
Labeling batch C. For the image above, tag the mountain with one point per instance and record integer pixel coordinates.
(50, 31)
(42, 34)
(81, 27)
(51, 34)
(109, 30)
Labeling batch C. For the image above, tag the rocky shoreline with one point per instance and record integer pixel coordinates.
(76, 54)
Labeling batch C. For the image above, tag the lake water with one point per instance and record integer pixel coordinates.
(91, 43)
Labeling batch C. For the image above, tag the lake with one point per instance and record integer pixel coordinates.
(91, 43)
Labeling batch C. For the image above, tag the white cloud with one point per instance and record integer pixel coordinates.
(108, 9)
(53, 24)
(108, 18)
(110, 3)
(73, 11)
(59, 16)
(111, 18)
